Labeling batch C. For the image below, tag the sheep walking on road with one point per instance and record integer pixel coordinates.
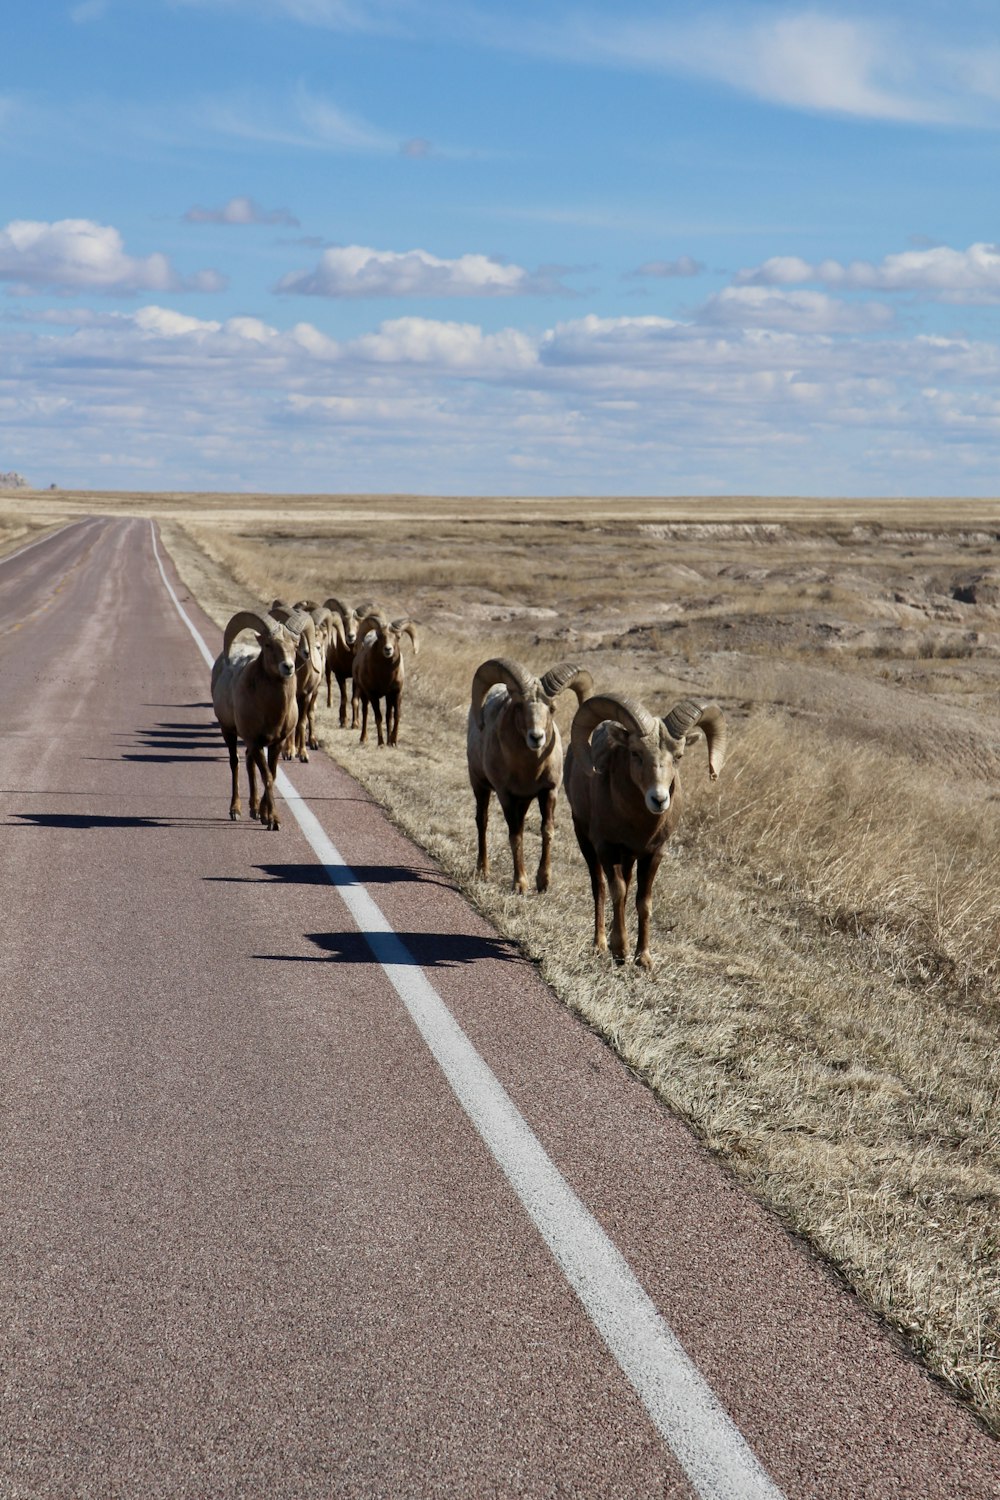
(515, 750)
(253, 694)
(625, 795)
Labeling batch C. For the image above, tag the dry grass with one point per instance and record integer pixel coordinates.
(827, 1000)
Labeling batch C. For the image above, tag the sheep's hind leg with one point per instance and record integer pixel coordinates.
(547, 808)
(392, 717)
(482, 794)
(234, 766)
(596, 885)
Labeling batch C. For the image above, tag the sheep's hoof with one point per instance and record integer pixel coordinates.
(234, 815)
(541, 882)
(254, 813)
(304, 757)
(644, 961)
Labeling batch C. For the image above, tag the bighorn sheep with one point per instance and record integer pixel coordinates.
(378, 671)
(625, 796)
(340, 657)
(253, 694)
(515, 750)
(308, 676)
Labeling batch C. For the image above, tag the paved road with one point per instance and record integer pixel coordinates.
(252, 1243)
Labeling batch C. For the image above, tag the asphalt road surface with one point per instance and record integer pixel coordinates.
(309, 1185)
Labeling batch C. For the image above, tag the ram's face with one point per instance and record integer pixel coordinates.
(652, 764)
(390, 645)
(533, 717)
(278, 653)
(351, 628)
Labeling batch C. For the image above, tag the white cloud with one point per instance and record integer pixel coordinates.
(939, 272)
(592, 404)
(357, 271)
(456, 346)
(240, 210)
(79, 255)
(801, 312)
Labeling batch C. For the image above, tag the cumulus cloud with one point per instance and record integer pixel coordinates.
(419, 402)
(79, 255)
(685, 265)
(357, 271)
(938, 272)
(240, 210)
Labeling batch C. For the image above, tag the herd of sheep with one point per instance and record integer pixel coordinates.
(620, 770)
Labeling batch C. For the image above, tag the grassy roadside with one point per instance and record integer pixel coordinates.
(825, 1008)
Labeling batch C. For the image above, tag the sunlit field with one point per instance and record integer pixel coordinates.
(825, 1004)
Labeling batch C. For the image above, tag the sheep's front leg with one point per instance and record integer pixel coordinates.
(355, 706)
(392, 716)
(515, 810)
(377, 710)
(648, 866)
(342, 684)
(364, 721)
(547, 808)
(251, 758)
(268, 771)
(618, 885)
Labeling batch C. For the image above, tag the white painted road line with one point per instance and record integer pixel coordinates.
(706, 1443)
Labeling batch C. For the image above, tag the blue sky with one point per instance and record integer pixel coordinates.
(471, 248)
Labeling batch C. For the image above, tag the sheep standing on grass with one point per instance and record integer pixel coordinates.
(515, 750)
(253, 694)
(625, 796)
(340, 657)
(379, 673)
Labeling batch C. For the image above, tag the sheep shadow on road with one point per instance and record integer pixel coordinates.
(338, 875)
(420, 950)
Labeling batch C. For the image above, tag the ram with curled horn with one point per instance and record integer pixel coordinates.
(378, 671)
(515, 750)
(340, 655)
(254, 697)
(625, 796)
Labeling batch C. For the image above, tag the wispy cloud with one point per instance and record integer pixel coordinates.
(78, 255)
(357, 271)
(240, 211)
(684, 265)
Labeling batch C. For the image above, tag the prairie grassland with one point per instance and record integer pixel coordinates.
(826, 1004)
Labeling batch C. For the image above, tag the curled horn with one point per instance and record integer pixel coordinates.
(372, 620)
(371, 608)
(690, 715)
(336, 607)
(568, 675)
(308, 605)
(407, 627)
(336, 626)
(280, 610)
(498, 669)
(304, 626)
(625, 711)
(246, 619)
